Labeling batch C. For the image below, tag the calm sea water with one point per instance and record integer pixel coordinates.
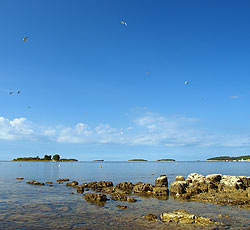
(24, 206)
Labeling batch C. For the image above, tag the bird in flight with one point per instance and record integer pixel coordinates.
(25, 39)
(124, 23)
(28, 107)
(11, 92)
(19, 91)
(186, 82)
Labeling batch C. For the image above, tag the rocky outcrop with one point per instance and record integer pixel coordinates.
(62, 180)
(121, 206)
(99, 186)
(215, 188)
(72, 184)
(161, 181)
(125, 186)
(180, 178)
(95, 197)
(160, 191)
(33, 182)
(143, 188)
(183, 217)
(19, 178)
(49, 182)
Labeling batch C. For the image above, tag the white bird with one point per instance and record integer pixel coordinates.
(124, 23)
(25, 39)
(186, 82)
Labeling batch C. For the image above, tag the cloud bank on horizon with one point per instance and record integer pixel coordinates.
(149, 129)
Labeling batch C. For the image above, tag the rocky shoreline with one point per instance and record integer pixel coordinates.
(215, 188)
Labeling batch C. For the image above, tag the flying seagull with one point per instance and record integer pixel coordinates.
(11, 92)
(124, 23)
(28, 107)
(186, 82)
(19, 91)
(25, 39)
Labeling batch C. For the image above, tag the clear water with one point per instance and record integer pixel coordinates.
(24, 206)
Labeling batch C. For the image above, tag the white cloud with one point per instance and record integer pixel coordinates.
(146, 129)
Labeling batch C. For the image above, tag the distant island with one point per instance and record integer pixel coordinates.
(166, 160)
(56, 157)
(98, 160)
(228, 158)
(137, 160)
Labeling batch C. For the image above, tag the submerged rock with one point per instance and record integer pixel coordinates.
(121, 206)
(72, 184)
(19, 178)
(143, 188)
(49, 182)
(150, 217)
(184, 217)
(95, 197)
(160, 191)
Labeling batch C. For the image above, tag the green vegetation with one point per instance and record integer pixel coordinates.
(228, 158)
(166, 160)
(56, 157)
(137, 160)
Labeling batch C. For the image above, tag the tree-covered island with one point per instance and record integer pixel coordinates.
(166, 160)
(137, 160)
(228, 158)
(56, 157)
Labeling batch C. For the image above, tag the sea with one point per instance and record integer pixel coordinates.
(25, 206)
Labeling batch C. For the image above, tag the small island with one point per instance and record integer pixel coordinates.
(98, 160)
(56, 157)
(228, 158)
(166, 160)
(137, 160)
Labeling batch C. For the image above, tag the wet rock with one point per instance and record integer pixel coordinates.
(125, 186)
(196, 178)
(95, 197)
(143, 188)
(121, 206)
(33, 182)
(19, 178)
(62, 179)
(119, 197)
(178, 187)
(160, 191)
(150, 217)
(180, 178)
(131, 199)
(184, 217)
(72, 184)
(99, 186)
(220, 215)
(161, 181)
(79, 188)
(49, 182)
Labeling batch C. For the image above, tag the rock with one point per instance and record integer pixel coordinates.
(49, 182)
(19, 178)
(125, 186)
(121, 206)
(79, 188)
(143, 188)
(220, 215)
(98, 186)
(178, 187)
(184, 217)
(33, 182)
(196, 178)
(150, 217)
(161, 181)
(131, 199)
(180, 178)
(72, 184)
(63, 179)
(230, 183)
(160, 191)
(119, 197)
(214, 178)
(95, 197)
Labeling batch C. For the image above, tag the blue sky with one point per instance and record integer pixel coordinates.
(84, 75)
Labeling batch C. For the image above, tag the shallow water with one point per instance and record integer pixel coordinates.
(24, 206)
